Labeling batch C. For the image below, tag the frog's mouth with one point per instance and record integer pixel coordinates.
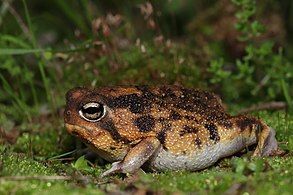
(90, 136)
(83, 133)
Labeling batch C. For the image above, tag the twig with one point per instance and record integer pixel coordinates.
(264, 106)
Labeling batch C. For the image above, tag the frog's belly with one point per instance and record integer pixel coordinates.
(163, 160)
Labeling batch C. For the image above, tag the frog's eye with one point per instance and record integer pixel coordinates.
(92, 112)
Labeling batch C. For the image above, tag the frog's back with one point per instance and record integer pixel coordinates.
(193, 119)
(184, 120)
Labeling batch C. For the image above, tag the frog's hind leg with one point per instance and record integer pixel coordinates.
(255, 129)
(266, 142)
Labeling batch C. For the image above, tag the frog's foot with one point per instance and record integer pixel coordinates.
(135, 158)
(267, 143)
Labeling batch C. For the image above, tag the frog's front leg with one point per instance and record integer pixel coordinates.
(135, 158)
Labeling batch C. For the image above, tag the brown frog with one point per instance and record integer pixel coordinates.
(162, 128)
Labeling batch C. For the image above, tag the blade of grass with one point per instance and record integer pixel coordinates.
(33, 90)
(15, 40)
(20, 104)
(62, 155)
(16, 51)
(4, 9)
(287, 96)
(85, 4)
(28, 19)
(75, 17)
(41, 63)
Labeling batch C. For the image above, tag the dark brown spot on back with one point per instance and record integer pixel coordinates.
(134, 102)
(188, 129)
(145, 123)
(162, 136)
(175, 115)
(197, 142)
(245, 122)
(163, 133)
(213, 130)
(191, 118)
(146, 93)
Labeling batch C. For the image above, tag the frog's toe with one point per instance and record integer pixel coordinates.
(116, 167)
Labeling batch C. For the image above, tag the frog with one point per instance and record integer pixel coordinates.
(161, 128)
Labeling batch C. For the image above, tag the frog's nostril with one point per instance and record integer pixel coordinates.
(67, 116)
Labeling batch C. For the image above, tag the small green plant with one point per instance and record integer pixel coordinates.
(217, 67)
(243, 166)
(263, 72)
(249, 28)
(81, 164)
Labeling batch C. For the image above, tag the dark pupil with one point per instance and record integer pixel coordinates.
(92, 112)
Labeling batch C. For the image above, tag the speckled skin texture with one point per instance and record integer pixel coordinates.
(162, 128)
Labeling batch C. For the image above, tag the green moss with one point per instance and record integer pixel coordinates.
(43, 141)
(45, 187)
(20, 164)
(246, 176)
(64, 188)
